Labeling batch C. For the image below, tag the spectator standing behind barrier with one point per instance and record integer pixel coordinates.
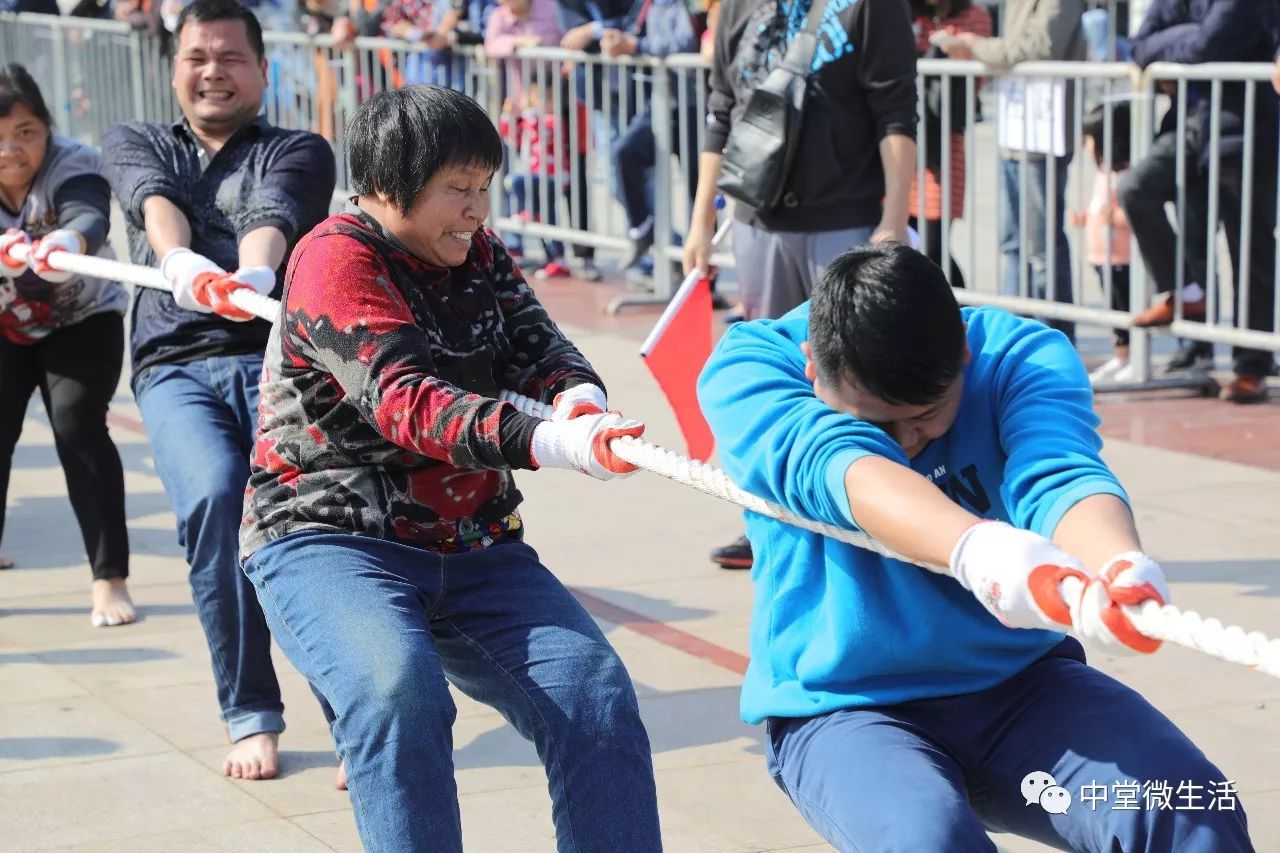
(220, 190)
(1215, 31)
(1034, 30)
(951, 17)
(60, 333)
(584, 23)
(853, 167)
(512, 25)
(382, 528)
(38, 7)
(1107, 230)
(661, 28)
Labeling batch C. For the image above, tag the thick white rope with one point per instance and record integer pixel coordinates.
(95, 267)
(1181, 627)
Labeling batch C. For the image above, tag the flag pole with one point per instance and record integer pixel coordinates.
(682, 293)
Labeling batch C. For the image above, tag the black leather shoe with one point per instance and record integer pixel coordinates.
(736, 555)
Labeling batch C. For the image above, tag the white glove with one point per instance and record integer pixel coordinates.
(62, 240)
(578, 400)
(180, 268)
(1016, 574)
(11, 267)
(582, 444)
(1127, 580)
(261, 279)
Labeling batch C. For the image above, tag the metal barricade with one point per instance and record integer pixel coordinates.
(1234, 189)
(564, 113)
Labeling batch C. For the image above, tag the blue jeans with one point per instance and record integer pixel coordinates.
(1029, 249)
(634, 155)
(200, 417)
(937, 774)
(378, 627)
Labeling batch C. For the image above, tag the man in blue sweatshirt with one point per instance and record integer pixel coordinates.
(908, 709)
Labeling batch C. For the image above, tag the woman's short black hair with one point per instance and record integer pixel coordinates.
(17, 87)
(398, 139)
(884, 319)
(207, 11)
(1094, 127)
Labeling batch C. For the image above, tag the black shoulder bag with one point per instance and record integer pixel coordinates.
(762, 144)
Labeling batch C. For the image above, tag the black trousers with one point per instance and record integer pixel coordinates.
(76, 370)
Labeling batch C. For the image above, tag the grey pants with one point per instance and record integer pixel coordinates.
(777, 270)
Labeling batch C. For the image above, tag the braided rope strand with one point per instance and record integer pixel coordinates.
(1168, 623)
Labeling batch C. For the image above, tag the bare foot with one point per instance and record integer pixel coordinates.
(254, 757)
(340, 781)
(7, 563)
(111, 604)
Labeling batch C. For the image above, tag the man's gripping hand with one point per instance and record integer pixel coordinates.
(1015, 574)
(215, 290)
(1127, 580)
(579, 400)
(582, 444)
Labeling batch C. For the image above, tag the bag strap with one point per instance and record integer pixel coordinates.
(799, 55)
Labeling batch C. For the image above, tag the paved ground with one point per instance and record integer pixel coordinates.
(109, 739)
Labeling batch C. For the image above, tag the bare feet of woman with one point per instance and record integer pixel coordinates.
(111, 604)
(254, 757)
(340, 781)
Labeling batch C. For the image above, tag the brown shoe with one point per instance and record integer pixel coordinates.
(1246, 389)
(1161, 314)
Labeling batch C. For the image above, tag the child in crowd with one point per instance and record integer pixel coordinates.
(1106, 228)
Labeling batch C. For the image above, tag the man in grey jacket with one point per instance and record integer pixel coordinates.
(1035, 30)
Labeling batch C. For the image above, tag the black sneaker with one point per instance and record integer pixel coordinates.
(1191, 356)
(736, 555)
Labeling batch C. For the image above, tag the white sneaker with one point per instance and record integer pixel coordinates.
(1111, 371)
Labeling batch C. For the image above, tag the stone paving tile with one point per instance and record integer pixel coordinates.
(85, 803)
(263, 836)
(72, 730)
(23, 678)
(336, 830)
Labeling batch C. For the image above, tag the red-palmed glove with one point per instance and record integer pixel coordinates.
(1015, 574)
(578, 400)
(11, 267)
(582, 444)
(62, 240)
(215, 290)
(180, 267)
(1127, 580)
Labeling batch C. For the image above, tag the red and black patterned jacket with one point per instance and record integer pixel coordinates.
(378, 414)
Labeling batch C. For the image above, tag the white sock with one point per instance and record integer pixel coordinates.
(1193, 292)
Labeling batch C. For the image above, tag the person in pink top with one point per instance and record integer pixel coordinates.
(521, 23)
(1107, 235)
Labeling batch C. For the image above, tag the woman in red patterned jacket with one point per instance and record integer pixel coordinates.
(381, 528)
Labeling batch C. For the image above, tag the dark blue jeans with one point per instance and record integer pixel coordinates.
(200, 418)
(938, 774)
(381, 629)
(1030, 249)
(634, 153)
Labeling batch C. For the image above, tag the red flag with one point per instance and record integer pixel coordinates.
(675, 353)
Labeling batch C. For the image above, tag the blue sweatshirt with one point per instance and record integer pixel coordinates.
(834, 626)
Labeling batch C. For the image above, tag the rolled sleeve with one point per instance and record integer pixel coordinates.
(137, 169)
(296, 188)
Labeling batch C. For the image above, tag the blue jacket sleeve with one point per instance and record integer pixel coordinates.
(297, 189)
(1048, 430)
(777, 440)
(1160, 15)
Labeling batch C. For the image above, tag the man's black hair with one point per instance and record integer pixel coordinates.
(884, 320)
(17, 87)
(1094, 126)
(399, 139)
(207, 11)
